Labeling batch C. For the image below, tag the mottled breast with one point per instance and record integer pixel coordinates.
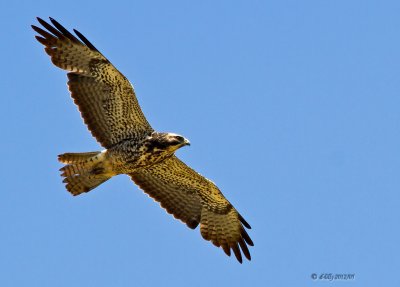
(129, 155)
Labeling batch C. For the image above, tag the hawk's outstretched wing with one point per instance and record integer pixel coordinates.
(194, 199)
(104, 96)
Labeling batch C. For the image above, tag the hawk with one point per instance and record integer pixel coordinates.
(109, 108)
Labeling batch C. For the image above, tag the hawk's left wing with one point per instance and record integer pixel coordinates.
(194, 199)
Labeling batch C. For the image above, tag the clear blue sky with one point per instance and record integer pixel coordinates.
(292, 108)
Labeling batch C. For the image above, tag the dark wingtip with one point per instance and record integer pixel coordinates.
(40, 20)
(247, 238)
(244, 222)
(226, 249)
(244, 248)
(63, 30)
(192, 224)
(85, 40)
(237, 253)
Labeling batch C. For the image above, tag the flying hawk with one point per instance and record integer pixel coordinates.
(110, 110)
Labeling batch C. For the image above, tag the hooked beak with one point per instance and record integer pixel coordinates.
(186, 142)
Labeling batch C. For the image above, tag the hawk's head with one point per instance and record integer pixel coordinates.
(168, 142)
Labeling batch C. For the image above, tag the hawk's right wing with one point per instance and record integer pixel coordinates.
(194, 199)
(105, 98)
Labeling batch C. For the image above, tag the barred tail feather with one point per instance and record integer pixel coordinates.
(83, 171)
(77, 157)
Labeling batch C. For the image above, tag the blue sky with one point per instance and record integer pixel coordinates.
(292, 108)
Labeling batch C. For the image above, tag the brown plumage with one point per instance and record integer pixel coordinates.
(109, 108)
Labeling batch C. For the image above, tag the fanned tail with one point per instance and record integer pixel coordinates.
(83, 171)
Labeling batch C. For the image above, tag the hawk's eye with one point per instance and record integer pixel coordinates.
(179, 138)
